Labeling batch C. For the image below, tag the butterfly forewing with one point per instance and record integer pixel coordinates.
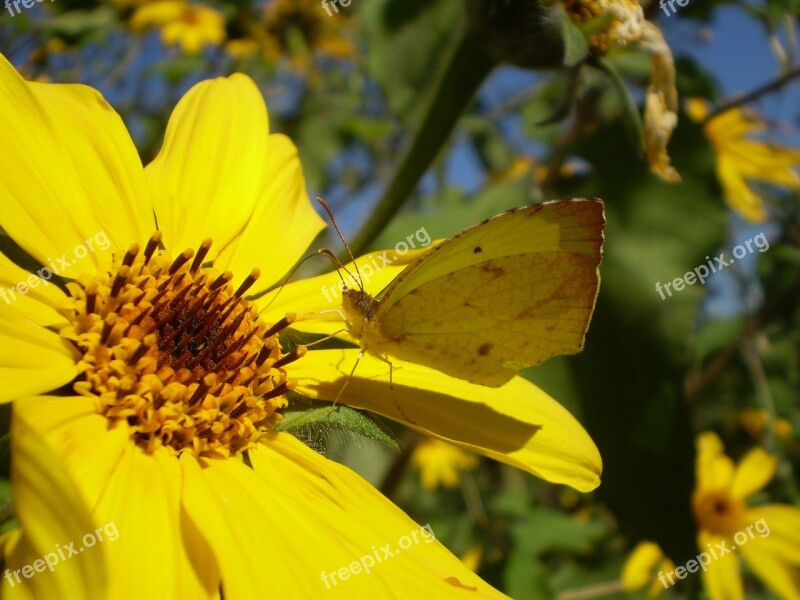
(497, 297)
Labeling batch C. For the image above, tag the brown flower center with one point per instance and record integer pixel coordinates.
(718, 512)
(170, 348)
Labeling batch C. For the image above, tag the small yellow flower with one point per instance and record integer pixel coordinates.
(299, 29)
(191, 26)
(754, 420)
(439, 463)
(741, 158)
(472, 559)
(767, 537)
(643, 567)
(242, 48)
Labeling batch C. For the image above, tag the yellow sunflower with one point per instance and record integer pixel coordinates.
(190, 26)
(159, 384)
(741, 158)
(439, 463)
(766, 537)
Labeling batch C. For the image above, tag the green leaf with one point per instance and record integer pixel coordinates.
(526, 579)
(546, 530)
(716, 335)
(576, 47)
(78, 24)
(408, 42)
(311, 422)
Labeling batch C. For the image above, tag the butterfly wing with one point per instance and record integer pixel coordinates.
(502, 295)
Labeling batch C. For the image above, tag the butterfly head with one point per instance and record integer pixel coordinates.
(358, 307)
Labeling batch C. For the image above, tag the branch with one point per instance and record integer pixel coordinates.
(768, 87)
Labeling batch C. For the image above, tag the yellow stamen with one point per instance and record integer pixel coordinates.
(169, 347)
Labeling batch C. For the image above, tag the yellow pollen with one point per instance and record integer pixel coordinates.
(718, 512)
(170, 348)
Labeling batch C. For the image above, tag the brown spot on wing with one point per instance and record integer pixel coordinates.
(484, 349)
(477, 250)
(493, 269)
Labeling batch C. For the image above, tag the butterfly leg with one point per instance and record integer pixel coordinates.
(391, 388)
(304, 316)
(326, 338)
(347, 381)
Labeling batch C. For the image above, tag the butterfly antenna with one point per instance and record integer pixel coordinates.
(337, 264)
(285, 281)
(341, 237)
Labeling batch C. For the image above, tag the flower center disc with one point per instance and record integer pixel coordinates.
(718, 512)
(170, 348)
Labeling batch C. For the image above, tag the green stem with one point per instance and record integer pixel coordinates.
(468, 66)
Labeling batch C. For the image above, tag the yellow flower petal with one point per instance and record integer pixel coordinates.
(740, 158)
(283, 216)
(43, 493)
(143, 499)
(738, 194)
(637, 572)
(308, 502)
(32, 359)
(39, 298)
(723, 579)
(93, 187)
(136, 493)
(771, 568)
(754, 471)
(517, 423)
(714, 469)
(776, 527)
(218, 155)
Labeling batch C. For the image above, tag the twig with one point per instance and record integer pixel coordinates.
(717, 365)
(768, 87)
(764, 394)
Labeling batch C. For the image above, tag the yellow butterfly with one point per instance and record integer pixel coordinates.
(508, 293)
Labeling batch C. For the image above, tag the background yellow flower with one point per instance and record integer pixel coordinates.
(440, 463)
(742, 158)
(190, 26)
